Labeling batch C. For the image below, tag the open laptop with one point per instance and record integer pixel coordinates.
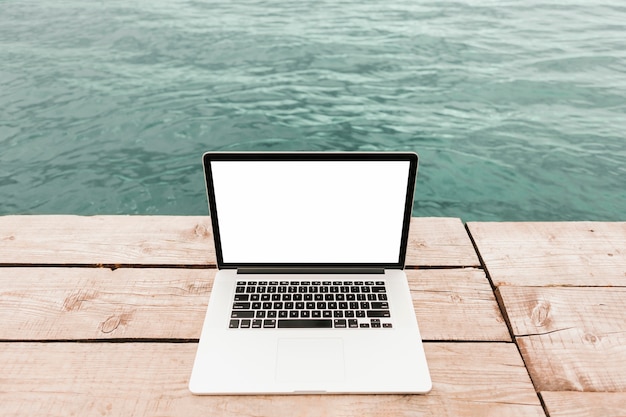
(310, 296)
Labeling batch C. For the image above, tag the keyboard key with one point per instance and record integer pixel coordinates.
(378, 313)
(387, 325)
(305, 323)
(305, 314)
(293, 314)
(378, 289)
(353, 323)
(338, 314)
(316, 314)
(272, 314)
(242, 314)
(380, 306)
(283, 314)
(234, 324)
(269, 324)
(245, 324)
(256, 324)
(340, 324)
(241, 306)
(241, 297)
(260, 314)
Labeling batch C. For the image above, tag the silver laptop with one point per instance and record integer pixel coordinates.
(310, 295)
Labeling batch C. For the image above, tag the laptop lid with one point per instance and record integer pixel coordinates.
(310, 210)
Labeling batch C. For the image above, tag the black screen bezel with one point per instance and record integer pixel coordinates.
(411, 157)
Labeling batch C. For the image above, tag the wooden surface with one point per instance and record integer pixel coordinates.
(573, 339)
(585, 404)
(180, 240)
(95, 379)
(71, 285)
(542, 254)
(562, 290)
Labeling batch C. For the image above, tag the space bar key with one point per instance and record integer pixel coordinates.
(305, 324)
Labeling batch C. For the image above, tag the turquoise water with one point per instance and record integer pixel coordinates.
(517, 109)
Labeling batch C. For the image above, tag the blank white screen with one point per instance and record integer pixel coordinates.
(310, 211)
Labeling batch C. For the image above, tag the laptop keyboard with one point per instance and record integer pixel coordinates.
(310, 304)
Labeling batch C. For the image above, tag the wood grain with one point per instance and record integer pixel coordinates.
(572, 339)
(106, 240)
(548, 254)
(95, 379)
(97, 303)
(179, 240)
(161, 303)
(585, 404)
(456, 304)
(435, 241)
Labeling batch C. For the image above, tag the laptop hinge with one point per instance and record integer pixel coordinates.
(296, 270)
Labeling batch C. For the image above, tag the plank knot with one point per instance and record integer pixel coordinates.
(541, 314)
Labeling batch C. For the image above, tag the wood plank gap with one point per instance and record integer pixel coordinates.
(505, 315)
(541, 401)
(117, 340)
(414, 267)
(483, 265)
(112, 267)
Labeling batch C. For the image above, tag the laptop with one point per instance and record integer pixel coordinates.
(310, 295)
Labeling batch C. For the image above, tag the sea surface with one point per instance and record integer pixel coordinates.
(516, 108)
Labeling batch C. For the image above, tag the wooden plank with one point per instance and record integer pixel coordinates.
(547, 254)
(108, 240)
(95, 303)
(456, 304)
(572, 339)
(587, 404)
(435, 241)
(98, 303)
(61, 379)
(179, 240)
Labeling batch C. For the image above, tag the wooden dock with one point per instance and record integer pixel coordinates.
(101, 316)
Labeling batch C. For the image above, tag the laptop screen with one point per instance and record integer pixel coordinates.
(310, 209)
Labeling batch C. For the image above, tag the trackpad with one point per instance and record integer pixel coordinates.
(310, 360)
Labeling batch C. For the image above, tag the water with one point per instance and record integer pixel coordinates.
(517, 109)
